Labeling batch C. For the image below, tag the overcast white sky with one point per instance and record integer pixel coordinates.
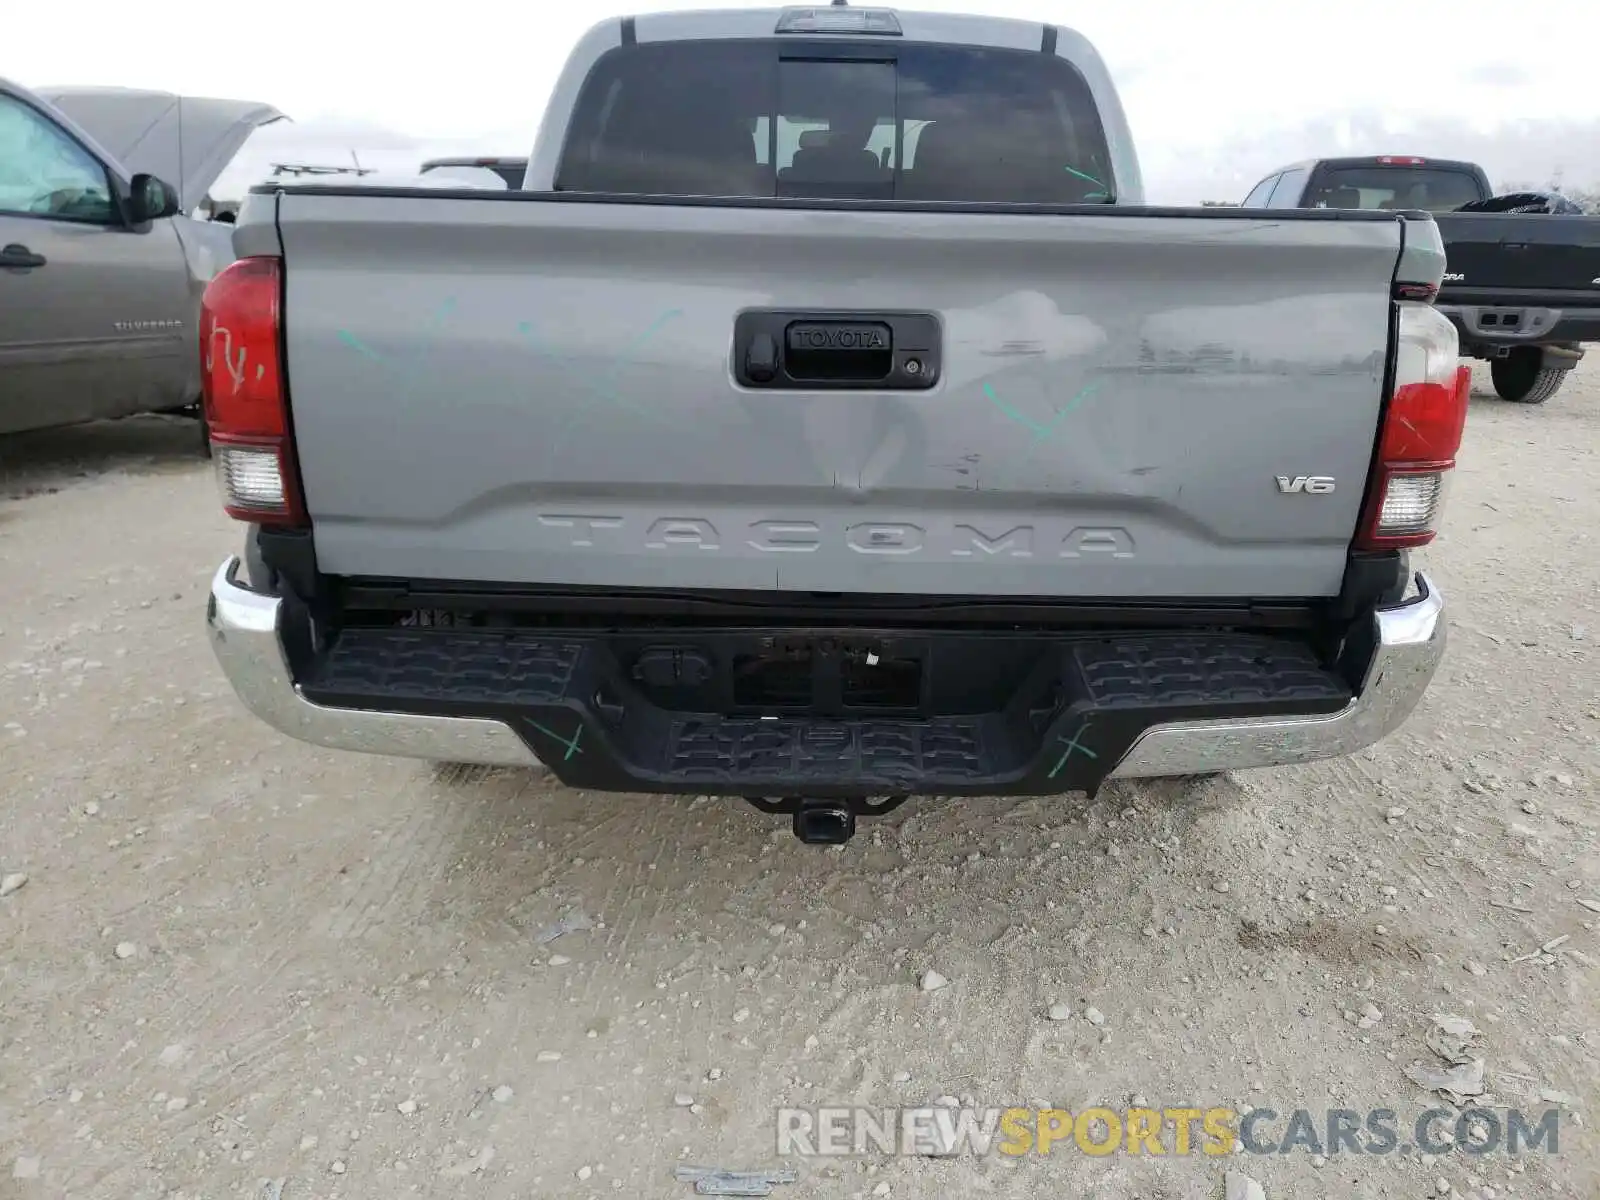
(1218, 91)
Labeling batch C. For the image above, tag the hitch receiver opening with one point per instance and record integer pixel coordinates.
(824, 822)
(819, 821)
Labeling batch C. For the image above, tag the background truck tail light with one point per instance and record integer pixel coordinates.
(246, 402)
(1422, 426)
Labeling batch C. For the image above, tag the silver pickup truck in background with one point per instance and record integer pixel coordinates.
(100, 285)
(829, 421)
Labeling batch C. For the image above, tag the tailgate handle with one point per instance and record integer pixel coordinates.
(877, 351)
(862, 351)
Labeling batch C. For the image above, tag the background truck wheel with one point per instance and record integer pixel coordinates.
(1522, 377)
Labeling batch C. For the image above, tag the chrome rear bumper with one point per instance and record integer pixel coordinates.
(244, 628)
(1408, 645)
(1408, 642)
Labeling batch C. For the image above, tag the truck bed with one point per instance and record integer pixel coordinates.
(543, 389)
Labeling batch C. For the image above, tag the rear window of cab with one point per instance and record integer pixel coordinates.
(766, 118)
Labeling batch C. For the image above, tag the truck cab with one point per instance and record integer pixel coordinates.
(1392, 183)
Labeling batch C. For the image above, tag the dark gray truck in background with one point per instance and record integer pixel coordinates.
(829, 421)
(1523, 289)
(104, 253)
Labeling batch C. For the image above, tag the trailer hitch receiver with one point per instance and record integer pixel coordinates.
(823, 821)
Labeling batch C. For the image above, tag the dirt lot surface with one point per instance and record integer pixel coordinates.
(237, 960)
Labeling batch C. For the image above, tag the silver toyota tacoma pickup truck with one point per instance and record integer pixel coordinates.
(827, 421)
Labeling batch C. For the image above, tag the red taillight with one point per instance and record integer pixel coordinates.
(242, 386)
(1425, 293)
(1422, 427)
(1402, 160)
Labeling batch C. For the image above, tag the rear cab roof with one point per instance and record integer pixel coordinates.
(1397, 160)
(1378, 160)
(475, 160)
(958, 29)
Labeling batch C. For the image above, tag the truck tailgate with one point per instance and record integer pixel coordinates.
(541, 391)
(1531, 254)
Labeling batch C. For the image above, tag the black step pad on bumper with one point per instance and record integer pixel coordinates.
(1068, 719)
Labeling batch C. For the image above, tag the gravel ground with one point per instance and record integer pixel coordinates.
(236, 959)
